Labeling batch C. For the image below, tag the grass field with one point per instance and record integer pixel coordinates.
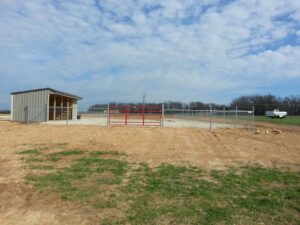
(290, 120)
(166, 194)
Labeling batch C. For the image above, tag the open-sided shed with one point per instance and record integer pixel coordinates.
(42, 105)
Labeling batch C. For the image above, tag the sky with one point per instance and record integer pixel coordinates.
(186, 50)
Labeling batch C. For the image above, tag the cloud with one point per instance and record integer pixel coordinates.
(171, 49)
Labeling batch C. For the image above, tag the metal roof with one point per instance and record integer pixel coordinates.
(49, 89)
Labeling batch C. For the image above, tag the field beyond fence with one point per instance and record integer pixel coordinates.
(289, 120)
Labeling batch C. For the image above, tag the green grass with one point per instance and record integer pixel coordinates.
(53, 158)
(32, 159)
(290, 120)
(67, 152)
(30, 151)
(64, 180)
(98, 153)
(42, 167)
(35, 151)
(172, 194)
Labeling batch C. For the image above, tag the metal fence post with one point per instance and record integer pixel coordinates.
(108, 115)
(253, 117)
(236, 116)
(162, 114)
(143, 115)
(224, 112)
(126, 115)
(210, 125)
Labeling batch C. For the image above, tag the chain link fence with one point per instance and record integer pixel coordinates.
(77, 116)
(208, 118)
(95, 115)
(4, 113)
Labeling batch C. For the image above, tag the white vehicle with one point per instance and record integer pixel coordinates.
(276, 113)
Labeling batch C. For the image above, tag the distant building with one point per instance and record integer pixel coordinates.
(42, 105)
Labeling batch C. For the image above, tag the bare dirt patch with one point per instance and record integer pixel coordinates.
(21, 204)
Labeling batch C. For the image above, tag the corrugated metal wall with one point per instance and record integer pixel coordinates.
(36, 102)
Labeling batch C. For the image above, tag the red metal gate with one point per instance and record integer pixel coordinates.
(135, 115)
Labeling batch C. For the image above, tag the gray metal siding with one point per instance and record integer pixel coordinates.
(36, 102)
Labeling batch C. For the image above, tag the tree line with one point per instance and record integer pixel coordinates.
(261, 103)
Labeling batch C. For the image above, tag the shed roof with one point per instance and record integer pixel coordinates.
(49, 89)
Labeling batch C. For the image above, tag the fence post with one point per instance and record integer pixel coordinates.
(126, 114)
(224, 112)
(236, 116)
(162, 114)
(143, 115)
(108, 115)
(210, 125)
(253, 117)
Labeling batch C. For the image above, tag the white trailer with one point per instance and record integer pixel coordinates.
(276, 114)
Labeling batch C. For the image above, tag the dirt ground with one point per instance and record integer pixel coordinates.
(22, 204)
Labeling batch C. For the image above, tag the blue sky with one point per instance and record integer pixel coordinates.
(112, 50)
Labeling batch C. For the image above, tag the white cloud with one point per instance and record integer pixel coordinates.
(186, 50)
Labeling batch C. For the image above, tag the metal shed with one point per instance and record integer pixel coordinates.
(42, 105)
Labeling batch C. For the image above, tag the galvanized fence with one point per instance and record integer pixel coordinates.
(211, 118)
(4, 112)
(78, 116)
(93, 116)
(105, 116)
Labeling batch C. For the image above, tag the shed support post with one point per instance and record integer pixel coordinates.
(54, 110)
(61, 107)
(67, 111)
